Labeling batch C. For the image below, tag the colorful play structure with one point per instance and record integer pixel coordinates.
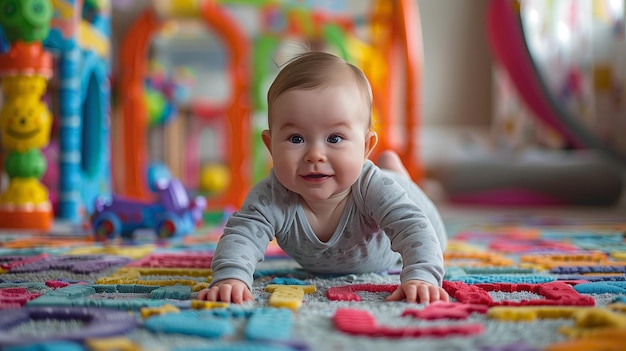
(76, 52)
(73, 55)
(390, 53)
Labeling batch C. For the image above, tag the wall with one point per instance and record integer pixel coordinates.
(457, 69)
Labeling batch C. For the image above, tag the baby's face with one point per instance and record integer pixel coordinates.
(319, 140)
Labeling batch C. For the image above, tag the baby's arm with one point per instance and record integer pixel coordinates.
(227, 290)
(418, 291)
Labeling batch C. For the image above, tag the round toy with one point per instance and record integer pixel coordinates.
(214, 178)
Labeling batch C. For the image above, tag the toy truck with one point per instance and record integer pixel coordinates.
(173, 214)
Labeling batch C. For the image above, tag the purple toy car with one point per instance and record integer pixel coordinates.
(173, 214)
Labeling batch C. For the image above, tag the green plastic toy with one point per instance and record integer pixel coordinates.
(26, 20)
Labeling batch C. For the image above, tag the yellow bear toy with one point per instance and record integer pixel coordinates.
(25, 123)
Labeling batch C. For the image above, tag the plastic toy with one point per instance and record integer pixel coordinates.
(513, 278)
(531, 313)
(146, 277)
(397, 53)
(359, 322)
(214, 178)
(270, 324)
(174, 292)
(154, 311)
(554, 293)
(25, 120)
(171, 215)
(549, 261)
(602, 287)
(171, 260)
(72, 264)
(445, 310)
(78, 32)
(134, 115)
(73, 298)
(208, 305)
(160, 95)
(26, 20)
(287, 297)
(15, 297)
(348, 292)
(477, 258)
(198, 323)
(308, 289)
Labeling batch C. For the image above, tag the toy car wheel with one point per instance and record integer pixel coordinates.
(167, 228)
(106, 228)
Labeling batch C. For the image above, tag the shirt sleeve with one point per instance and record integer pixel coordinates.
(248, 232)
(408, 227)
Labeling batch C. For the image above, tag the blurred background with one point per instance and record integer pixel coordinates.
(489, 102)
(478, 138)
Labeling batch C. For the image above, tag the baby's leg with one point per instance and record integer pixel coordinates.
(390, 160)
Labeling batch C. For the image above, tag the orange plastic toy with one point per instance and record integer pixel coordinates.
(134, 116)
(397, 38)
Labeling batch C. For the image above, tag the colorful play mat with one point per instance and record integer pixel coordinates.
(520, 280)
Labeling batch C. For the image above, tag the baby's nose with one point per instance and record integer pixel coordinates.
(315, 154)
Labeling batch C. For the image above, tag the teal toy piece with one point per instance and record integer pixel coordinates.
(272, 324)
(26, 20)
(197, 323)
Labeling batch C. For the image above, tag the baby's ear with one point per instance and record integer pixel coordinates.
(371, 139)
(266, 136)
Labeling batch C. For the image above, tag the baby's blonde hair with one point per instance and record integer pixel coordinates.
(313, 70)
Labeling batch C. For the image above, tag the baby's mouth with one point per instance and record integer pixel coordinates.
(316, 176)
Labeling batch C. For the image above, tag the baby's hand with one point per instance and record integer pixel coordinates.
(227, 290)
(418, 291)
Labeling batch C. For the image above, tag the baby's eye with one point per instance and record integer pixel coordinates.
(296, 139)
(334, 139)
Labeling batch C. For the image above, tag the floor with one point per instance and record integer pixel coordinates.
(140, 295)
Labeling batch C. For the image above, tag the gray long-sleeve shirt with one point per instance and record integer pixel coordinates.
(386, 215)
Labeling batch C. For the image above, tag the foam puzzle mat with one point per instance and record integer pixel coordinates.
(517, 282)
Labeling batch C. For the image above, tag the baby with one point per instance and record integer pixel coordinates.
(328, 206)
